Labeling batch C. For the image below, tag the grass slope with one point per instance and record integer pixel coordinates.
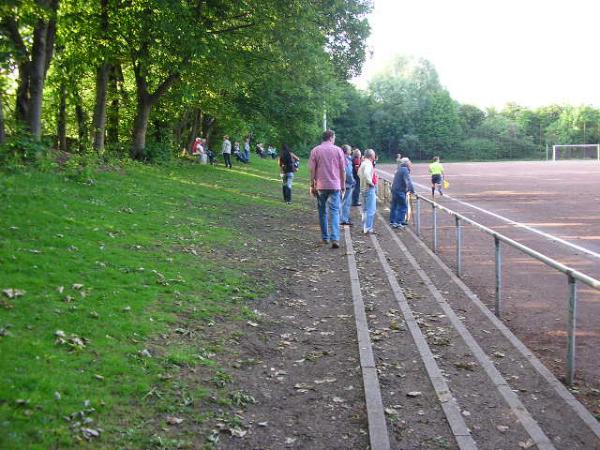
(107, 267)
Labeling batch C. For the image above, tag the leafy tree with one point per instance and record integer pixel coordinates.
(30, 28)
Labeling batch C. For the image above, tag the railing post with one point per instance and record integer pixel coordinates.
(458, 247)
(435, 240)
(418, 214)
(498, 276)
(572, 329)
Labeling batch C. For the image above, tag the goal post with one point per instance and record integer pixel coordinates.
(576, 151)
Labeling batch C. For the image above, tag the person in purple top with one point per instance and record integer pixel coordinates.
(327, 166)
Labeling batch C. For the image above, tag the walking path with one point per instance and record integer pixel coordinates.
(382, 347)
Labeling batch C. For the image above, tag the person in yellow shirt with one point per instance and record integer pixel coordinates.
(437, 175)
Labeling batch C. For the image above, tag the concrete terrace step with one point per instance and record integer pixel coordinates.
(480, 387)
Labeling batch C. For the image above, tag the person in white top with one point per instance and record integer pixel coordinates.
(227, 151)
(368, 188)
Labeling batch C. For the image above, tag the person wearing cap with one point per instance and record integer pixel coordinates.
(400, 186)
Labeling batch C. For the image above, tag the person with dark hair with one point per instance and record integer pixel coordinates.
(347, 198)
(356, 160)
(327, 182)
(437, 175)
(400, 187)
(288, 166)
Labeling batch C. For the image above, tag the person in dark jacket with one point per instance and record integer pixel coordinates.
(400, 187)
(356, 160)
(288, 166)
(347, 197)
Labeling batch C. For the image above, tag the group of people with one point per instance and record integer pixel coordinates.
(341, 177)
(336, 175)
(205, 155)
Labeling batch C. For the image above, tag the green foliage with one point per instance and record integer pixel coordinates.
(20, 150)
(112, 263)
(160, 152)
(406, 110)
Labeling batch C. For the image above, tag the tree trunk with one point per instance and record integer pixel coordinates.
(37, 78)
(197, 120)
(140, 125)
(180, 129)
(61, 123)
(22, 98)
(145, 101)
(42, 51)
(81, 117)
(99, 121)
(112, 127)
(2, 131)
(207, 127)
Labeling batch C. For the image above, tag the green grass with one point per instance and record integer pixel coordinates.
(141, 242)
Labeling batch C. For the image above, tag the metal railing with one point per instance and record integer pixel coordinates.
(573, 276)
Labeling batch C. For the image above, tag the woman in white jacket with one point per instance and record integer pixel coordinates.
(368, 189)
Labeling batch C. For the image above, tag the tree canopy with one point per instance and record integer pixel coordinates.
(127, 76)
(406, 110)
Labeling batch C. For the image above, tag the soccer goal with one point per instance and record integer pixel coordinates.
(576, 151)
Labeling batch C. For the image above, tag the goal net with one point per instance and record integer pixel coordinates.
(582, 151)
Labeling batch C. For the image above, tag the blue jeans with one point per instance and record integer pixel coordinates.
(369, 208)
(398, 208)
(287, 179)
(346, 204)
(329, 206)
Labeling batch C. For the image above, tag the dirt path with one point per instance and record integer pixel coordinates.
(448, 378)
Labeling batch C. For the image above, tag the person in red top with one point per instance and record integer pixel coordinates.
(328, 180)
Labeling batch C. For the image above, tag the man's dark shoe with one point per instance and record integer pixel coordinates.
(335, 244)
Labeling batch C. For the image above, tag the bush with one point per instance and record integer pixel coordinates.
(21, 150)
(160, 152)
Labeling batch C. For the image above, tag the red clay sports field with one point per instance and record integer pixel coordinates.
(551, 207)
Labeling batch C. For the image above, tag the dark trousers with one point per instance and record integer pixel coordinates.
(227, 158)
(356, 192)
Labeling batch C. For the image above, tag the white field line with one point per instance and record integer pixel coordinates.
(512, 222)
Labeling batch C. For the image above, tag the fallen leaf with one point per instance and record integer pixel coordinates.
(502, 428)
(238, 432)
(391, 412)
(414, 394)
(172, 420)
(13, 293)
